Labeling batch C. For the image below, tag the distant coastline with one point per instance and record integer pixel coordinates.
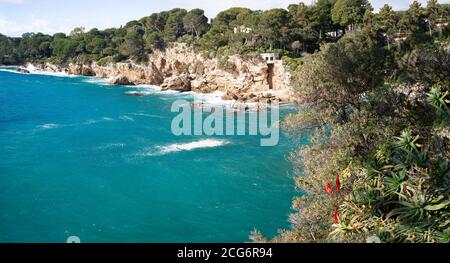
(249, 81)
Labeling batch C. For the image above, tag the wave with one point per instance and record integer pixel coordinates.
(172, 92)
(11, 71)
(110, 146)
(146, 115)
(126, 118)
(163, 150)
(139, 93)
(95, 80)
(39, 72)
(215, 98)
(104, 119)
(147, 90)
(147, 87)
(158, 90)
(34, 71)
(53, 74)
(89, 122)
(49, 126)
(94, 121)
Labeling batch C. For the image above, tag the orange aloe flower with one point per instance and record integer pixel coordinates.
(336, 216)
(329, 189)
(338, 183)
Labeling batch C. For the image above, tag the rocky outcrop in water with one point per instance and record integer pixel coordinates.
(180, 83)
(120, 80)
(22, 70)
(80, 69)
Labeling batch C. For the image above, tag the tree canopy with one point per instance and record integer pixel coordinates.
(294, 31)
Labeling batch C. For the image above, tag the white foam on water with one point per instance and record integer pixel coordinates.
(104, 119)
(139, 93)
(214, 98)
(49, 126)
(95, 80)
(89, 122)
(208, 143)
(110, 146)
(53, 74)
(11, 71)
(147, 87)
(171, 92)
(33, 70)
(31, 67)
(139, 114)
(146, 90)
(126, 118)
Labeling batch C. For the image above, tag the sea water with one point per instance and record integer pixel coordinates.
(80, 158)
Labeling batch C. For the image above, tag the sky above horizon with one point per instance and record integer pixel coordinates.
(52, 16)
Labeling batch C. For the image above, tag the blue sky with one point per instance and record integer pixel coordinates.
(51, 16)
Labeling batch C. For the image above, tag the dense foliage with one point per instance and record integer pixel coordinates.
(133, 41)
(294, 32)
(377, 111)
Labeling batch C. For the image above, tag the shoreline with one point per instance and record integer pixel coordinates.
(180, 68)
(206, 99)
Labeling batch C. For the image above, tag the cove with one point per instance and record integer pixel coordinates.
(80, 158)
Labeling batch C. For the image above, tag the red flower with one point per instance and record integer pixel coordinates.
(338, 183)
(336, 216)
(329, 189)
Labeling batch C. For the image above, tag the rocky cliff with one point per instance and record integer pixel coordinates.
(180, 68)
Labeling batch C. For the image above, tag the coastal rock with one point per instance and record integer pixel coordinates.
(137, 74)
(180, 83)
(281, 76)
(198, 83)
(80, 69)
(53, 68)
(229, 95)
(85, 71)
(120, 80)
(179, 67)
(23, 70)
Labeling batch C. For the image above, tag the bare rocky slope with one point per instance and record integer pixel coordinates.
(178, 67)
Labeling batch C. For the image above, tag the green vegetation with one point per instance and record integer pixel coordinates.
(131, 42)
(377, 110)
(375, 88)
(294, 32)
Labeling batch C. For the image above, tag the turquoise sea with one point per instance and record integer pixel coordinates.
(80, 158)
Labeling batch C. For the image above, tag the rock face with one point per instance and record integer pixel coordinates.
(80, 69)
(179, 68)
(23, 70)
(120, 80)
(180, 83)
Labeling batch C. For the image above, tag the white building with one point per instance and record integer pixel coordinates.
(242, 29)
(270, 58)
